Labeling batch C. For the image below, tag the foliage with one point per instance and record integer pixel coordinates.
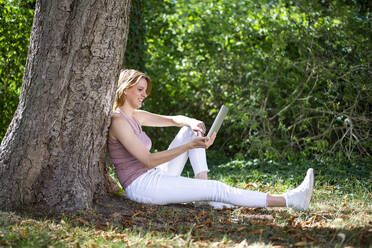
(15, 27)
(135, 48)
(296, 74)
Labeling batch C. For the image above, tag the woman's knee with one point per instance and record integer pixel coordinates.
(185, 134)
(186, 131)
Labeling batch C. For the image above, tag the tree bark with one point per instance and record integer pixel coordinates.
(54, 151)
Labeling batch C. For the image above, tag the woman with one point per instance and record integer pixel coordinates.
(154, 178)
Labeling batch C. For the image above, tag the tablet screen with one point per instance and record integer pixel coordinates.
(218, 121)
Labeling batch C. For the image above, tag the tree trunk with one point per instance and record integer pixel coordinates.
(54, 152)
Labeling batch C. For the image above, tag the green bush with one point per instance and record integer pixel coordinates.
(15, 28)
(296, 75)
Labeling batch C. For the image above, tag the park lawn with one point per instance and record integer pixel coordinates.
(340, 214)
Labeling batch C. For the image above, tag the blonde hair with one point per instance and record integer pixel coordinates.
(127, 79)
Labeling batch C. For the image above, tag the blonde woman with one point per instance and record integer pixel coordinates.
(155, 178)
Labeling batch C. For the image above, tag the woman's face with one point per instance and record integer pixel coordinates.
(136, 94)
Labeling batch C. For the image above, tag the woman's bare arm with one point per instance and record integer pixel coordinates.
(155, 120)
(121, 130)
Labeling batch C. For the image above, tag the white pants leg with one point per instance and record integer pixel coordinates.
(197, 156)
(155, 187)
(164, 185)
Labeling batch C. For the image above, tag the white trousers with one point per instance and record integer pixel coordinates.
(164, 185)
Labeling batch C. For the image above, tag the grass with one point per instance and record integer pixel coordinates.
(340, 214)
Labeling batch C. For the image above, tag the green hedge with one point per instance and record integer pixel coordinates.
(15, 28)
(296, 74)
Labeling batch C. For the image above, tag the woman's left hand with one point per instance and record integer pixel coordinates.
(210, 141)
(197, 126)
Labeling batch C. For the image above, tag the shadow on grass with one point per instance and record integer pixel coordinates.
(279, 227)
(204, 224)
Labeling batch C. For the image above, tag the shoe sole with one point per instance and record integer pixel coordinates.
(310, 173)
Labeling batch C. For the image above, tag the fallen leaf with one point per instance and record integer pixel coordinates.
(311, 238)
(291, 220)
(311, 220)
(255, 222)
(26, 222)
(82, 221)
(100, 227)
(227, 222)
(249, 185)
(128, 222)
(165, 246)
(39, 227)
(242, 244)
(273, 239)
(201, 244)
(351, 226)
(208, 221)
(141, 206)
(273, 225)
(24, 232)
(137, 213)
(76, 244)
(178, 237)
(241, 228)
(257, 231)
(93, 245)
(301, 243)
(201, 214)
(346, 201)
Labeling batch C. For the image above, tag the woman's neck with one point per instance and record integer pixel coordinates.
(127, 110)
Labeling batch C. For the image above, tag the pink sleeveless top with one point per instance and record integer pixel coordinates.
(127, 167)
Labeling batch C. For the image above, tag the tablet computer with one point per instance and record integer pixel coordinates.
(218, 121)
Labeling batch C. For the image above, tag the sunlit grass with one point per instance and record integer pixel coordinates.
(340, 215)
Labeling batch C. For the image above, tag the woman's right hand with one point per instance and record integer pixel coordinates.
(199, 142)
(202, 142)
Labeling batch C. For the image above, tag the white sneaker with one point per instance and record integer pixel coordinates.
(299, 198)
